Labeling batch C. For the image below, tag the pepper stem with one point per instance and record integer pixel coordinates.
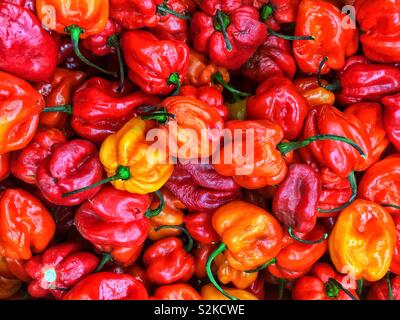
(330, 87)
(217, 78)
(281, 288)
(391, 206)
(389, 284)
(293, 236)
(189, 244)
(161, 116)
(286, 147)
(113, 42)
(122, 173)
(265, 12)
(290, 38)
(353, 185)
(174, 79)
(155, 212)
(262, 267)
(75, 33)
(67, 108)
(334, 282)
(360, 286)
(211, 258)
(221, 22)
(105, 258)
(163, 10)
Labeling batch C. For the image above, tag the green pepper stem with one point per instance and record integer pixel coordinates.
(210, 275)
(266, 12)
(281, 288)
(161, 116)
(75, 33)
(330, 87)
(155, 212)
(105, 258)
(353, 185)
(262, 267)
(340, 286)
(122, 173)
(286, 147)
(221, 22)
(189, 244)
(113, 42)
(217, 78)
(174, 79)
(389, 284)
(163, 10)
(67, 108)
(360, 286)
(391, 206)
(292, 235)
(290, 38)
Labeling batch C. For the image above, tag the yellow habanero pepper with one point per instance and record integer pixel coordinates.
(208, 292)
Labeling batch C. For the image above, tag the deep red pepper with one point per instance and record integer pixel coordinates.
(278, 100)
(280, 11)
(199, 225)
(58, 269)
(392, 119)
(5, 166)
(26, 49)
(100, 110)
(167, 262)
(257, 287)
(72, 165)
(26, 161)
(395, 265)
(180, 291)
(380, 290)
(201, 254)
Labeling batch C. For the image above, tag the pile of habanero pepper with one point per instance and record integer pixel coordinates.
(199, 149)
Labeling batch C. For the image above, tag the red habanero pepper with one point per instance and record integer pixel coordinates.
(257, 287)
(392, 119)
(210, 95)
(58, 269)
(201, 254)
(395, 264)
(200, 187)
(20, 106)
(324, 283)
(100, 110)
(25, 225)
(167, 261)
(381, 290)
(277, 12)
(228, 31)
(26, 161)
(278, 100)
(27, 4)
(108, 286)
(160, 72)
(26, 49)
(181, 291)
(272, 59)
(118, 227)
(71, 165)
(332, 40)
(313, 92)
(5, 166)
(199, 226)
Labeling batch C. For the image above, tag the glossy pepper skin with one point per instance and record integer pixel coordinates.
(198, 117)
(25, 225)
(313, 92)
(380, 41)
(5, 166)
(71, 165)
(277, 100)
(154, 73)
(89, 15)
(339, 157)
(296, 199)
(58, 92)
(313, 286)
(20, 106)
(336, 42)
(128, 147)
(26, 161)
(272, 59)
(118, 226)
(13, 269)
(268, 166)
(209, 292)
(201, 254)
(283, 11)
(243, 28)
(167, 262)
(199, 226)
(381, 183)
(392, 119)
(61, 266)
(176, 292)
(380, 291)
(100, 109)
(367, 231)
(108, 286)
(200, 187)
(395, 265)
(26, 49)
(365, 82)
(248, 247)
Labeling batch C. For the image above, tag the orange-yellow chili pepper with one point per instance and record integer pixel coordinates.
(208, 292)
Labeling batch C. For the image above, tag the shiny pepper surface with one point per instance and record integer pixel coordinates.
(380, 291)
(392, 119)
(199, 226)
(176, 292)
(363, 240)
(313, 92)
(209, 292)
(395, 265)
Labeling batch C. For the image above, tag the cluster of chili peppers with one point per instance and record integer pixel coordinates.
(90, 210)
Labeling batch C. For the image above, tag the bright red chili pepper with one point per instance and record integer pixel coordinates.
(395, 265)
(199, 225)
(201, 254)
(176, 292)
(380, 290)
(392, 119)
